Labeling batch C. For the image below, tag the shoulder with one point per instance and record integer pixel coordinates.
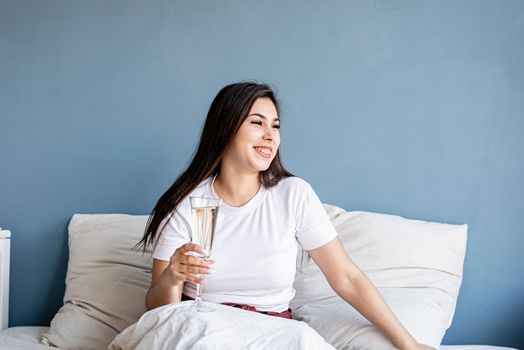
(202, 190)
(293, 188)
(293, 183)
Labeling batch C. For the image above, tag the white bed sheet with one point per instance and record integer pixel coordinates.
(27, 338)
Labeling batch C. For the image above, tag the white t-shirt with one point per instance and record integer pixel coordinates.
(255, 246)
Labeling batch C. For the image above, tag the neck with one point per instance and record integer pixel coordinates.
(236, 189)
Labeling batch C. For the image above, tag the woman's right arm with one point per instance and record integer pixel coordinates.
(168, 277)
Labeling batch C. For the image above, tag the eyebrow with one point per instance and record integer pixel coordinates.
(263, 116)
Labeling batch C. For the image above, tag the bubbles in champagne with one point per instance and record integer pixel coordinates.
(204, 227)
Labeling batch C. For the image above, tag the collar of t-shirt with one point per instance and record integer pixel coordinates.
(242, 210)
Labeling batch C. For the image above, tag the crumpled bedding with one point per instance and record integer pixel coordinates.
(175, 326)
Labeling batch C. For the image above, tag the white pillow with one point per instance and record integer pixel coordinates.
(416, 265)
(106, 281)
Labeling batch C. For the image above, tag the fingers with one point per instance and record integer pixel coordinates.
(189, 247)
(196, 261)
(189, 273)
(190, 260)
(192, 270)
(189, 268)
(191, 278)
(186, 273)
(184, 256)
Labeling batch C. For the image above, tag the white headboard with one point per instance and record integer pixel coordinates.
(5, 245)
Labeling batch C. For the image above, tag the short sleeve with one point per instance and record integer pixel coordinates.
(314, 228)
(175, 234)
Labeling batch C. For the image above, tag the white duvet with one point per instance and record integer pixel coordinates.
(174, 327)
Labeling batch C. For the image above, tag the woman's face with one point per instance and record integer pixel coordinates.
(256, 143)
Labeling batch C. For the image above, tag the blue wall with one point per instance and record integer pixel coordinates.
(406, 107)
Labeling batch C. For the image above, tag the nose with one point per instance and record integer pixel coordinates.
(268, 134)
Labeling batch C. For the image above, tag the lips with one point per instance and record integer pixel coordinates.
(264, 151)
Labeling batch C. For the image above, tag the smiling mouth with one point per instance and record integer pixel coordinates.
(263, 151)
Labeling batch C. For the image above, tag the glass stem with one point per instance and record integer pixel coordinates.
(198, 299)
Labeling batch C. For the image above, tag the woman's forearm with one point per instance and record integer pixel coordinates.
(364, 297)
(164, 292)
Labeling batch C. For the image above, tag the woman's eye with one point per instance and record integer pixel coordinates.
(257, 122)
(276, 126)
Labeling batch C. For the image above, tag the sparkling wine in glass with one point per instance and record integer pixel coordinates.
(203, 219)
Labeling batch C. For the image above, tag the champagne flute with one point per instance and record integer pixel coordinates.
(203, 219)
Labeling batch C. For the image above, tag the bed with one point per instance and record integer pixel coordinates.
(416, 265)
(27, 338)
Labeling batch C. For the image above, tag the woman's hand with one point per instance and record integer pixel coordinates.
(184, 265)
(168, 277)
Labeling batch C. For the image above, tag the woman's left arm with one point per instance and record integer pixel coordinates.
(348, 281)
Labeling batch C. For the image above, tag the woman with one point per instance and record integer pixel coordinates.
(265, 214)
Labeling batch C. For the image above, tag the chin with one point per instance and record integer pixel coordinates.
(262, 167)
(261, 164)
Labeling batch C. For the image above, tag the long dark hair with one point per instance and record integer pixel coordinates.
(228, 111)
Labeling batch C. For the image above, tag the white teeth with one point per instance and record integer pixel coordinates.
(263, 150)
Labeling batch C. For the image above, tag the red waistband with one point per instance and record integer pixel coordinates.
(283, 314)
